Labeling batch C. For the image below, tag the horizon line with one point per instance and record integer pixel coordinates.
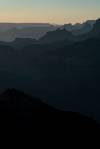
(49, 23)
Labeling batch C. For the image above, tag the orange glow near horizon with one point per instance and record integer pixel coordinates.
(48, 11)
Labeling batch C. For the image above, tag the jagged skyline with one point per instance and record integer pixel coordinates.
(50, 11)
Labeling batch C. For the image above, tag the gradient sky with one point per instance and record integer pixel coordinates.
(51, 11)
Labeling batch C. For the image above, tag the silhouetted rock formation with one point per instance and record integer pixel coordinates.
(78, 28)
(85, 28)
(56, 36)
(93, 33)
(20, 110)
(96, 29)
(69, 27)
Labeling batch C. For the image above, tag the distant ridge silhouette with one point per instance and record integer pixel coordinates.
(56, 36)
(78, 28)
(10, 31)
(96, 29)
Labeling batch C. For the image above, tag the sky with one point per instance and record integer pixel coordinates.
(49, 11)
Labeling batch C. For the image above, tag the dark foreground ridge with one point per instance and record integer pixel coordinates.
(20, 110)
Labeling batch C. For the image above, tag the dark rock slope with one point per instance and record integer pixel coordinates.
(20, 110)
